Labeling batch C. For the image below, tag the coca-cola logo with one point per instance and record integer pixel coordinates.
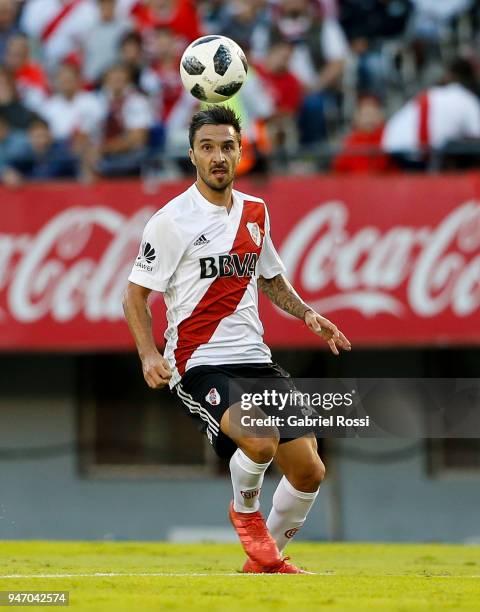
(365, 270)
(77, 263)
(75, 266)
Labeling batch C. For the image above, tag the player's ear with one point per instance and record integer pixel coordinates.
(192, 156)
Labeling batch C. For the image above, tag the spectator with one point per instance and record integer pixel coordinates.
(131, 55)
(427, 29)
(318, 61)
(176, 128)
(13, 145)
(431, 16)
(374, 19)
(368, 24)
(102, 43)
(361, 152)
(286, 89)
(179, 15)
(438, 116)
(171, 103)
(59, 26)
(294, 91)
(330, 7)
(254, 105)
(245, 20)
(72, 113)
(127, 119)
(212, 13)
(12, 110)
(30, 79)
(161, 80)
(44, 158)
(8, 27)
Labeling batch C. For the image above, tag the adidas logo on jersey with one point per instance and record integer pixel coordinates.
(146, 257)
(201, 240)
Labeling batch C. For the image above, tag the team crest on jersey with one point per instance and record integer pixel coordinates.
(255, 233)
(213, 397)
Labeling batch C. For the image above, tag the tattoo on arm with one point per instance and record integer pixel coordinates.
(282, 294)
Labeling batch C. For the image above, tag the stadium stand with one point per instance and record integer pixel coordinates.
(319, 72)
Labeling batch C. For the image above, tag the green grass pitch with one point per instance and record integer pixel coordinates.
(161, 576)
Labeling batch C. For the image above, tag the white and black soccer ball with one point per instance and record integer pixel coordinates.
(213, 68)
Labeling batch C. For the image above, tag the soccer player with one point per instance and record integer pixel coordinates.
(207, 251)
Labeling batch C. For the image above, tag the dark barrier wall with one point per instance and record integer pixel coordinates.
(395, 260)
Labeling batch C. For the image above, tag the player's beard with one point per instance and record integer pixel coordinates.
(217, 185)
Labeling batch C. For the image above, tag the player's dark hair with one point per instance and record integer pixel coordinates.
(214, 115)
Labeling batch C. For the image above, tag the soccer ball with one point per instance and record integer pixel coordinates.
(213, 68)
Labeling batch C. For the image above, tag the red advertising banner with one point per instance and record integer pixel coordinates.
(392, 260)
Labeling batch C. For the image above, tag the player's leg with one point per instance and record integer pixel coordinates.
(251, 459)
(205, 391)
(303, 471)
(247, 468)
(294, 497)
(297, 459)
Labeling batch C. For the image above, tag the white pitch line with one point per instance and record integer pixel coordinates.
(183, 575)
(115, 575)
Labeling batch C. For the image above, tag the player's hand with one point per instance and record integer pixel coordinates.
(328, 331)
(156, 371)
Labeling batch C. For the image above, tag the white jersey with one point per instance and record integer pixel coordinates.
(453, 113)
(206, 262)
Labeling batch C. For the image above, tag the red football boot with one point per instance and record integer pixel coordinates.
(255, 537)
(251, 567)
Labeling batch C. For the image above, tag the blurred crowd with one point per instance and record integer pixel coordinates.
(91, 88)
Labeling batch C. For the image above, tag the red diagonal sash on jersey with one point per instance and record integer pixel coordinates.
(53, 24)
(224, 294)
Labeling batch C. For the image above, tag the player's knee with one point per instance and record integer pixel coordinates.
(308, 477)
(320, 472)
(312, 478)
(259, 450)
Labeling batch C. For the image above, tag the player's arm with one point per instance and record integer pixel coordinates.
(156, 370)
(279, 291)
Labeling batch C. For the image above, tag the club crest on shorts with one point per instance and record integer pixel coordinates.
(213, 397)
(255, 233)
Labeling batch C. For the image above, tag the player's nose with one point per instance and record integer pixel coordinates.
(218, 155)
